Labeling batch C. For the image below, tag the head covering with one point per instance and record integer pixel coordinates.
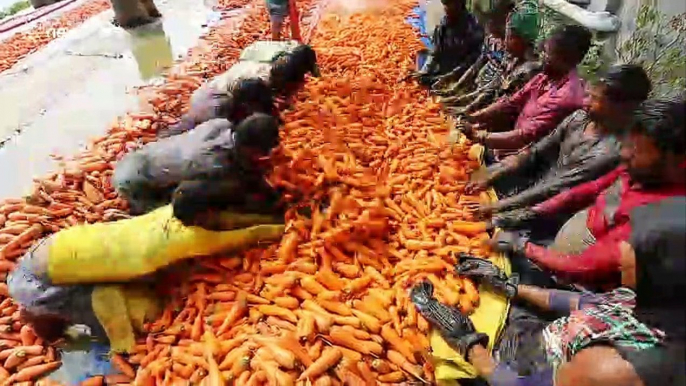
(524, 20)
(657, 238)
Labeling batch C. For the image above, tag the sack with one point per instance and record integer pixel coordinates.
(124, 250)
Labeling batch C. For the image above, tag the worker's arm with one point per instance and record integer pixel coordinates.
(597, 263)
(596, 163)
(578, 197)
(513, 103)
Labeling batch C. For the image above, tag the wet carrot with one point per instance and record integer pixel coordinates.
(329, 359)
(122, 365)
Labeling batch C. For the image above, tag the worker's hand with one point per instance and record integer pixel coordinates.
(508, 242)
(477, 185)
(485, 272)
(485, 211)
(455, 327)
(441, 82)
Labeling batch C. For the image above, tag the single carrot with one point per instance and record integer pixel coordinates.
(399, 360)
(31, 373)
(329, 359)
(122, 365)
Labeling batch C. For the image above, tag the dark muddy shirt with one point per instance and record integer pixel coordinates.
(575, 157)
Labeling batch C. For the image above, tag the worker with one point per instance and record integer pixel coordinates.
(490, 62)
(541, 104)
(633, 335)
(249, 86)
(278, 11)
(102, 275)
(582, 148)
(215, 150)
(456, 43)
(520, 63)
(586, 250)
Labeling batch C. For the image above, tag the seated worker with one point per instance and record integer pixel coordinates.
(543, 102)
(586, 249)
(215, 150)
(103, 275)
(582, 148)
(489, 64)
(520, 64)
(632, 336)
(249, 86)
(456, 43)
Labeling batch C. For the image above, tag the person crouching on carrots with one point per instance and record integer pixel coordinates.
(263, 74)
(98, 275)
(216, 150)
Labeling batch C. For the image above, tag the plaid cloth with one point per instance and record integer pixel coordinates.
(494, 52)
(606, 318)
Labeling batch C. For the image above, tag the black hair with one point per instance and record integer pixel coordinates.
(195, 197)
(255, 93)
(626, 83)
(575, 40)
(259, 131)
(292, 68)
(663, 120)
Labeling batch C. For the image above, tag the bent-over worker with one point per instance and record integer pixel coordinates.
(98, 275)
(263, 73)
(215, 150)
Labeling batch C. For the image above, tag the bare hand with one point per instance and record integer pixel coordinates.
(484, 211)
(477, 185)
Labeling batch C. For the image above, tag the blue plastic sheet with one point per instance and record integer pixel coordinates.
(83, 363)
(419, 22)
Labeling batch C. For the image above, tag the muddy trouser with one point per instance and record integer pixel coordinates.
(205, 105)
(521, 344)
(31, 286)
(136, 187)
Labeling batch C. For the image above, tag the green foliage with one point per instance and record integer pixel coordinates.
(659, 44)
(596, 59)
(14, 8)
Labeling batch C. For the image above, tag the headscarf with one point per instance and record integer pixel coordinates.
(657, 238)
(524, 20)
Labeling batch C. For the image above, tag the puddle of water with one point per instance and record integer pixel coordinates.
(72, 89)
(152, 50)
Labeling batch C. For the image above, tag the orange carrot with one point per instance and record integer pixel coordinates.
(329, 359)
(31, 373)
(122, 365)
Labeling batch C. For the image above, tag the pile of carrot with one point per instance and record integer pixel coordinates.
(381, 205)
(21, 44)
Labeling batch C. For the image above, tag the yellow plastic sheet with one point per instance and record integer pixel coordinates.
(488, 318)
(124, 250)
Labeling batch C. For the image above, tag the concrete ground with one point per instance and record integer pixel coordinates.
(69, 91)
